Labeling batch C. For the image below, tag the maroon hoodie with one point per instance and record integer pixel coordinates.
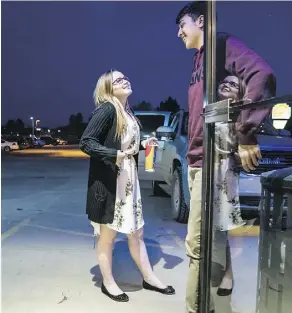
(253, 70)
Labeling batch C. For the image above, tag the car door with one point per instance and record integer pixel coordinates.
(169, 149)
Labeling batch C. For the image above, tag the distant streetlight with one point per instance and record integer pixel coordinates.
(59, 130)
(49, 130)
(32, 125)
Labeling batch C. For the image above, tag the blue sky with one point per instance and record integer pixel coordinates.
(53, 52)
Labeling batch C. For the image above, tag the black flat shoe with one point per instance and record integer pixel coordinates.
(119, 298)
(224, 292)
(169, 290)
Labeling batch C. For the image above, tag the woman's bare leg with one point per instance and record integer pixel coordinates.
(104, 259)
(227, 280)
(140, 256)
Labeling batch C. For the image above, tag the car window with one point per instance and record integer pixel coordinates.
(175, 122)
(150, 123)
(288, 125)
(266, 127)
(173, 119)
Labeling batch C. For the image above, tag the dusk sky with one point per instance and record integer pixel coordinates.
(53, 52)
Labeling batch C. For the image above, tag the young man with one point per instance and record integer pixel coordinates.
(232, 56)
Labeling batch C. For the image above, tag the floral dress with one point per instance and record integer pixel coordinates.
(227, 214)
(128, 216)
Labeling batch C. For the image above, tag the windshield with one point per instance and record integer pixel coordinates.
(150, 123)
(288, 125)
(267, 128)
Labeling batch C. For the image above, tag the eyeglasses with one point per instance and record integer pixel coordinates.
(120, 80)
(230, 83)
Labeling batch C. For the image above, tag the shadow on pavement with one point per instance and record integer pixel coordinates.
(125, 271)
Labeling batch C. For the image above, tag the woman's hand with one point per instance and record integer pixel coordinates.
(120, 156)
(152, 141)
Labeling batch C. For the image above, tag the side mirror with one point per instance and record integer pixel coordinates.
(166, 132)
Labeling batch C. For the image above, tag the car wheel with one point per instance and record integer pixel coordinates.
(6, 148)
(180, 211)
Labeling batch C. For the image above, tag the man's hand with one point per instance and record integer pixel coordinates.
(249, 155)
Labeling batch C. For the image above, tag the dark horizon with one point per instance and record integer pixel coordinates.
(53, 52)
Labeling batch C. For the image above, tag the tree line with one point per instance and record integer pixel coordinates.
(76, 122)
(169, 104)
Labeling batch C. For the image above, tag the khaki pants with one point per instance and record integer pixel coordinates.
(193, 239)
(193, 242)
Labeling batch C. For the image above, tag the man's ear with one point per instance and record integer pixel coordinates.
(200, 21)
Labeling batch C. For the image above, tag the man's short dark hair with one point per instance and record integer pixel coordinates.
(193, 9)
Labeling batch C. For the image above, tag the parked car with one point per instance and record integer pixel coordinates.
(9, 146)
(48, 140)
(61, 141)
(171, 166)
(35, 142)
(21, 141)
(150, 121)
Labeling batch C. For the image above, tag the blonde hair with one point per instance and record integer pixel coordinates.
(103, 93)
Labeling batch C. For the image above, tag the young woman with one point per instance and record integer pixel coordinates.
(112, 140)
(227, 214)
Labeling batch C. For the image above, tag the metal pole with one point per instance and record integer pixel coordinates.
(32, 125)
(208, 167)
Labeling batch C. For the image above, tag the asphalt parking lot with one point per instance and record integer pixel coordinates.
(48, 258)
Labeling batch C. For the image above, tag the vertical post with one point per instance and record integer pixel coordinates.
(208, 167)
(32, 126)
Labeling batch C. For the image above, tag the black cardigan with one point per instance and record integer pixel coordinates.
(100, 143)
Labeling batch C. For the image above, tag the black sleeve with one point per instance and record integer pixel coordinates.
(92, 140)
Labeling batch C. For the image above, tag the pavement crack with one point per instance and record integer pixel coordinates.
(64, 298)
